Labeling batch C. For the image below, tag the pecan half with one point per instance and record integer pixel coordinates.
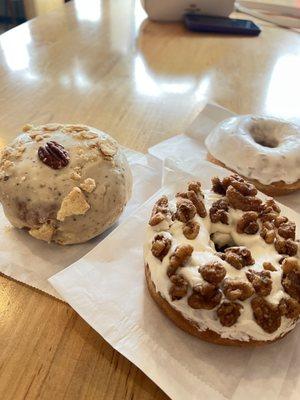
(266, 315)
(219, 211)
(269, 206)
(243, 187)
(287, 230)
(191, 230)
(54, 155)
(185, 210)
(160, 246)
(229, 312)
(248, 223)
(237, 290)
(238, 256)
(217, 186)
(286, 246)
(195, 186)
(179, 257)
(197, 200)
(268, 232)
(205, 296)
(289, 308)
(241, 202)
(261, 281)
(160, 211)
(179, 287)
(213, 273)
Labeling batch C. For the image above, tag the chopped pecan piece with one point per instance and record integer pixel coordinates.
(185, 210)
(219, 211)
(241, 202)
(266, 315)
(160, 246)
(179, 287)
(213, 273)
(287, 230)
(238, 256)
(248, 223)
(291, 283)
(54, 155)
(191, 230)
(160, 211)
(237, 290)
(197, 200)
(229, 312)
(289, 264)
(179, 257)
(261, 281)
(286, 246)
(268, 266)
(205, 296)
(289, 308)
(217, 186)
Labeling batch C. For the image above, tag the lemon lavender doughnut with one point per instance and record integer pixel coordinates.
(64, 183)
(264, 150)
(223, 265)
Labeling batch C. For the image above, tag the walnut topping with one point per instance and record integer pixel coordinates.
(73, 204)
(219, 211)
(268, 266)
(289, 264)
(289, 308)
(237, 290)
(179, 288)
(248, 223)
(229, 312)
(54, 155)
(198, 203)
(237, 182)
(195, 186)
(261, 281)
(205, 296)
(291, 283)
(268, 232)
(217, 186)
(160, 246)
(269, 206)
(238, 257)
(213, 273)
(181, 254)
(287, 230)
(241, 202)
(191, 230)
(286, 246)
(160, 211)
(280, 220)
(43, 232)
(88, 185)
(266, 315)
(185, 210)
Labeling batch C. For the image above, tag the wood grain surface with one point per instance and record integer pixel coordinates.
(104, 64)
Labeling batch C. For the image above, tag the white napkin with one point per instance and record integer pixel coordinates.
(31, 261)
(107, 288)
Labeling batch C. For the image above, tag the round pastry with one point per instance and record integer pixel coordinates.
(223, 265)
(64, 183)
(264, 150)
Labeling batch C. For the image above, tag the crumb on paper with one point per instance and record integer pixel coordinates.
(73, 204)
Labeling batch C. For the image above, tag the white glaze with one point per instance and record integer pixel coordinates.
(246, 328)
(233, 142)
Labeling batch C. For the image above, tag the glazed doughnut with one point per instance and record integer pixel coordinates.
(223, 264)
(64, 183)
(264, 150)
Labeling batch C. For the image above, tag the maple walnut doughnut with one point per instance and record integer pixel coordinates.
(264, 150)
(64, 183)
(223, 265)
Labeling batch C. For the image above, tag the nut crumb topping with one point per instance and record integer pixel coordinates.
(73, 204)
(88, 185)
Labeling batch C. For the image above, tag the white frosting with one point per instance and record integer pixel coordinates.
(238, 143)
(245, 328)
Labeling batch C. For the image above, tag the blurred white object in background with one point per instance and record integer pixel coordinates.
(174, 10)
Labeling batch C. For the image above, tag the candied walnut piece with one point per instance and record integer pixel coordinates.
(268, 266)
(248, 223)
(219, 211)
(270, 206)
(291, 283)
(191, 230)
(236, 181)
(261, 281)
(280, 220)
(217, 186)
(185, 210)
(160, 246)
(160, 211)
(287, 230)
(286, 246)
(195, 186)
(289, 308)
(266, 315)
(179, 257)
(54, 155)
(238, 256)
(289, 264)
(205, 296)
(213, 273)
(179, 288)
(237, 290)
(240, 201)
(197, 200)
(229, 312)
(268, 232)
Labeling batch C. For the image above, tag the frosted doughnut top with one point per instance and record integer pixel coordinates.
(262, 148)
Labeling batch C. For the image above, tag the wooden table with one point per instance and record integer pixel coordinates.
(103, 64)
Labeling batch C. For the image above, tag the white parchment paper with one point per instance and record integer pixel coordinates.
(32, 261)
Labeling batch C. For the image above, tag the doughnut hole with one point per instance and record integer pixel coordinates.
(263, 136)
